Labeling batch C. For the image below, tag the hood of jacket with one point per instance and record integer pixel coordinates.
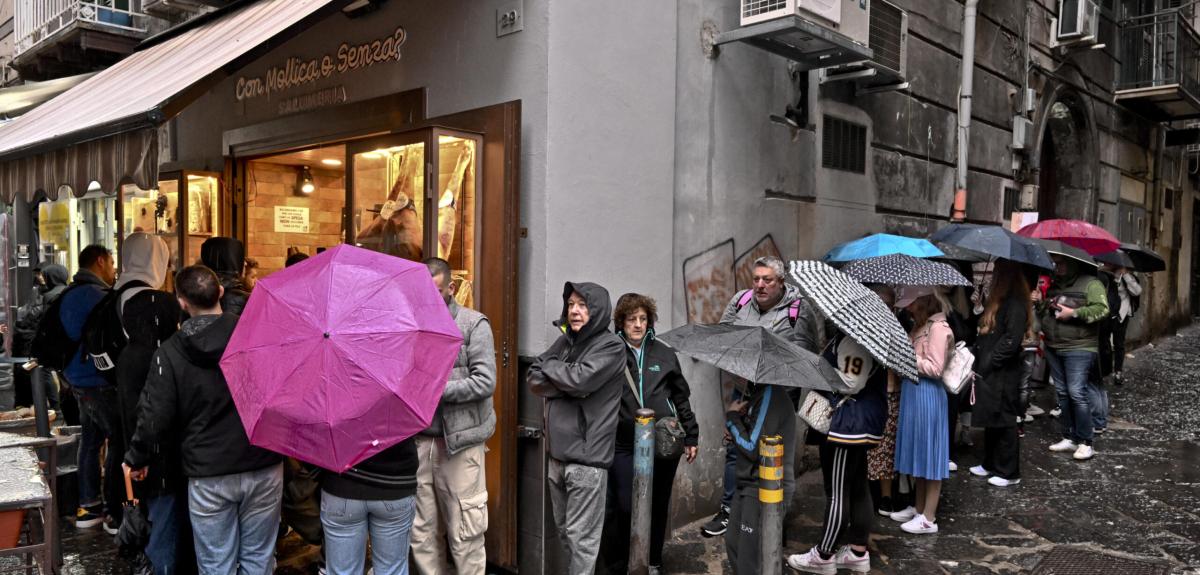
(599, 310)
(144, 257)
(205, 337)
(55, 275)
(226, 256)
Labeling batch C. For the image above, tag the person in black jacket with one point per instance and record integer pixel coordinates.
(655, 373)
(227, 257)
(234, 488)
(149, 317)
(1005, 325)
(50, 281)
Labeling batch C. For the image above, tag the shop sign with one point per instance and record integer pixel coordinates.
(22, 255)
(291, 219)
(312, 100)
(298, 72)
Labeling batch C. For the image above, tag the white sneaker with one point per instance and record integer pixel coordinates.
(905, 514)
(1002, 482)
(1055, 412)
(1027, 419)
(919, 525)
(953, 466)
(846, 559)
(1064, 445)
(1035, 411)
(979, 471)
(1084, 452)
(812, 562)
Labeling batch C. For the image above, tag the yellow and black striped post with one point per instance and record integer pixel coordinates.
(770, 499)
(643, 482)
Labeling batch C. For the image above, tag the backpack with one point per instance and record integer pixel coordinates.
(1135, 301)
(51, 346)
(747, 296)
(104, 334)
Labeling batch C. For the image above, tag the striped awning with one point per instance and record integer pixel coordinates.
(105, 129)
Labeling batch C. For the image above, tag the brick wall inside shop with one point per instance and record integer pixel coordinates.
(273, 185)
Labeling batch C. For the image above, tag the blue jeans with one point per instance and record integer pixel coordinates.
(166, 512)
(348, 522)
(99, 419)
(235, 519)
(1069, 370)
(1098, 397)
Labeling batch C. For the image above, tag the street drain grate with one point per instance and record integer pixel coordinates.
(1073, 561)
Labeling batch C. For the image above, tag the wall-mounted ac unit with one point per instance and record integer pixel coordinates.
(851, 18)
(889, 47)
(1078, 22)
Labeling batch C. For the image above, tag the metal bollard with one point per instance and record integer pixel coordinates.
(643, 481)
(770, 499)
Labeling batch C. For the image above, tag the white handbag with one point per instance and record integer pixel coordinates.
(957, 373)
(816, 411)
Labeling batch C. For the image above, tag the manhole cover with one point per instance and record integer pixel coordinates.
(1071, 561)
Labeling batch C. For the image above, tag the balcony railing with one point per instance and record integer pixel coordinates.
(1159, 50)
(36, 21)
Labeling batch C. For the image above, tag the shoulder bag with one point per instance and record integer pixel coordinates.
(668, 433)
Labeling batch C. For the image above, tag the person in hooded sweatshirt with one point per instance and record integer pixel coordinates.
(50, 281)
(234, 488)
(581, 377)
(150, 317)
(227, 257)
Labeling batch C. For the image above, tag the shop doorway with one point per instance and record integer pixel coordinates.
(411, 187)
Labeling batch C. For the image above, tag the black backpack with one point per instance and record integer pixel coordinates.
(104, 334)
(51, 345)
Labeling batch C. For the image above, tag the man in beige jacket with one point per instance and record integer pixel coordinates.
(451, 485)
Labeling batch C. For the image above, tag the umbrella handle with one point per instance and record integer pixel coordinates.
(129, 486)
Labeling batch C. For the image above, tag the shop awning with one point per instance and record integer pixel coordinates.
(105, 129)
(17, 100)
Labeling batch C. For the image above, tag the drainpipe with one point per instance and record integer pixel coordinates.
(964, 110)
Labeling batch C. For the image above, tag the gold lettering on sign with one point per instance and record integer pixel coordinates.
(297, 72)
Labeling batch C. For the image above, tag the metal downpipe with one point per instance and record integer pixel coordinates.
(964, 110)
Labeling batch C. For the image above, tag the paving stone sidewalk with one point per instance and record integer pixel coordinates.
(1138, 499)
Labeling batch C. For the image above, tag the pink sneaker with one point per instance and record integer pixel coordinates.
(919, 525)
(812, 562)
(846, 559)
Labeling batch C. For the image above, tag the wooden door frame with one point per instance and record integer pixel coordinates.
(499, 125)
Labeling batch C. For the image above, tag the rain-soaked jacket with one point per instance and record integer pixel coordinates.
(227, 257)
(582, 377)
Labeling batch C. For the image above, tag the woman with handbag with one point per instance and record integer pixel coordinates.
(654, 381)
(922, 435)
(854, 424)
(1006, 324)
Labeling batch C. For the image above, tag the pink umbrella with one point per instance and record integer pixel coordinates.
(341, 356)
(1088, 237)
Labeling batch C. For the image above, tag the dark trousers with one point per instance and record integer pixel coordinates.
(730, 477)
(170, 548)
(618, 522)
(1112, 346)
(848, 509)
(1002, 451)
(743, 540)
(98, 413)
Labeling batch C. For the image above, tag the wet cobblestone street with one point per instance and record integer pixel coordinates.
(1139, 498)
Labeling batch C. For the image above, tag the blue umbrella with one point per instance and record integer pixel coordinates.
(877, 245)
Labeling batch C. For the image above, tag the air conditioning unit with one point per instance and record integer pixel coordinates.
(851, 18)
(1078, 22)
(888, 40)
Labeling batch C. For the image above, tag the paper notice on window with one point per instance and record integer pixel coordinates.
(291, 219)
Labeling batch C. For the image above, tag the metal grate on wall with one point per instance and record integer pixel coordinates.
(1012, 197)
(843, 145)
(885, 35)
(756, 7)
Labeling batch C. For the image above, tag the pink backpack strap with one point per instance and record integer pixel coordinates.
(794, 311)
(745, 298)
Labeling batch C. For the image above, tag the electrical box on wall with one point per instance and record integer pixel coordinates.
(1022, 134)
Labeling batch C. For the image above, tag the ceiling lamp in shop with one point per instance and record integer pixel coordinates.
(304, 183)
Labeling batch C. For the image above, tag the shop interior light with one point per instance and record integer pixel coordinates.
(331, 162)
(304, 183)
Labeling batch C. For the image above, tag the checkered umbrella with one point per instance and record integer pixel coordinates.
(899, 269)
(858, 312)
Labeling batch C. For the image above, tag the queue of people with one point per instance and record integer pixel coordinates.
(217, 504)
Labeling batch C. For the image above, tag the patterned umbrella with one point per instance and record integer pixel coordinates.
(899, 269)
(1090, 238)
(858, 312)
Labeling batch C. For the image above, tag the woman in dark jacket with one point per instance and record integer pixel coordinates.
(654, 370)
(227, 257)
(1006, 322)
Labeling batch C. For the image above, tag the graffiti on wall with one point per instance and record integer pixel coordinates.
(712, 276)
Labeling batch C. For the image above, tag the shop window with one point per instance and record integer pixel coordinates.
(202, 212)
(283, 218)
(69, 224)
(389, 200)
(154, 212)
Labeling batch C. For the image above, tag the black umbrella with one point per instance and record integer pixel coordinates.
(996, 242)
(754, 354)
(134, 533)
(1059, 248)
(960, 254)
(859, 313)
(900, 269)
(1134, 257)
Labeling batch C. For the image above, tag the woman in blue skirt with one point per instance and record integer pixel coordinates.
(922, 436)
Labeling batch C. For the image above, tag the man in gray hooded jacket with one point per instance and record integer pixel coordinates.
(581, 377)
(451, 483)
